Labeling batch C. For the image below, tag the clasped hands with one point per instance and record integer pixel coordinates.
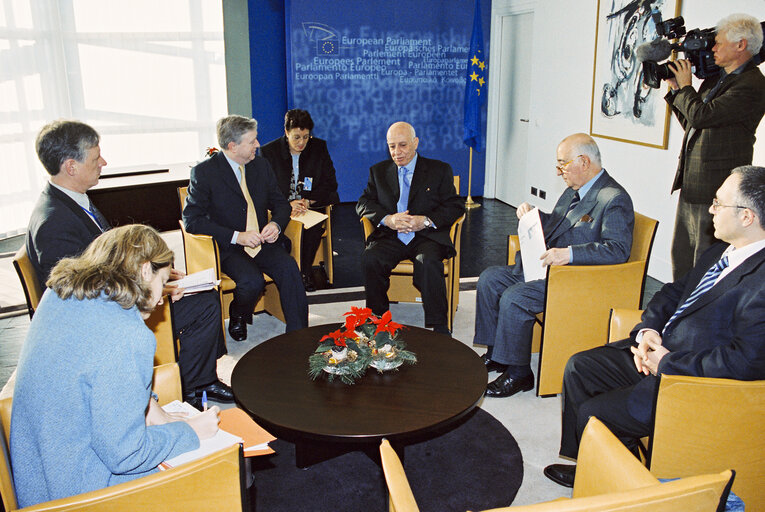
(252, 238)
(648, 353)
(405, 223)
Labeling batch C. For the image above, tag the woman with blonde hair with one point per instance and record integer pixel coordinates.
(83, 413)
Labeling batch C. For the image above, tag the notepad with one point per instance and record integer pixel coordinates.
(255, 438)
(197, 282)
(310, 218)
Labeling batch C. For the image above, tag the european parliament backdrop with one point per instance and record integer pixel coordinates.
(357, 67)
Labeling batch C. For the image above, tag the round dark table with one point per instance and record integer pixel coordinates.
(325, 419)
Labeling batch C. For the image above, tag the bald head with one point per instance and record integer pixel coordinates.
(402, 143)
(578, 160)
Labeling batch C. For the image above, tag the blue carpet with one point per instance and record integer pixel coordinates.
(475, 465)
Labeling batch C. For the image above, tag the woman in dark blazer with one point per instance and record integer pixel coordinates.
(306, 177)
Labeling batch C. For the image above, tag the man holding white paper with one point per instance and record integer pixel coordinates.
(591, 224)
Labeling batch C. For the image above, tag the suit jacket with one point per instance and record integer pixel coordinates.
(724, 131)
(314, 162)
(598, 229)
(216, 206)
(431, 194)
(721, 335)
(58, 228)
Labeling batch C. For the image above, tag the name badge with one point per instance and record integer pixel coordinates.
(307, 183)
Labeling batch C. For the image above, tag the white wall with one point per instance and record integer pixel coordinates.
(564, 42)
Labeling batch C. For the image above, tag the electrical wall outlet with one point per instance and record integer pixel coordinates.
(533, 191)
(542, 194)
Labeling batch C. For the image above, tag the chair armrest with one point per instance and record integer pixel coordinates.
(214, 482)
(200, 251)
(294, 231)
(399, 490)
(368, 227)
(513, 246)
(167, 383)
(621, 322)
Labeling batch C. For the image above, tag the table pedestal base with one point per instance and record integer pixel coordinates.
(308, 453)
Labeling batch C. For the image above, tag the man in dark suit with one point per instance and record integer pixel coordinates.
(591, 224)
(64, 222)
(413, 225)
(710, 323)
(306, 177)
(720, 121)
(230, 195)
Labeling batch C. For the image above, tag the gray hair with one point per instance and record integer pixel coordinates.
(737, 27)
(751, 189)
(231, 129)
(62, 140)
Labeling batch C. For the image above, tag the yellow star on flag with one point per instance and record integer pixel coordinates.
(481, 81)
(482, 65)
(474, 60)
(473, 77)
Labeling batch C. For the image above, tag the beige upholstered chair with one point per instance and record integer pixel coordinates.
(201, 252)
(401, 287)
(324, 254)
(400, 494)
(214, 482)
(590, 290)
(160, 321)
(704, 424)
(609, 477)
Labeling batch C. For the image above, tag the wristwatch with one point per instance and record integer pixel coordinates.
(428, 223)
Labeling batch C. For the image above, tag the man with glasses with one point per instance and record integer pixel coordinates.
(720, 121)
(710, 323)
(591, 224)
(306, 177)
(412, 203)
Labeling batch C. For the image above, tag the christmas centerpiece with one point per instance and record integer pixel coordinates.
(365, 340)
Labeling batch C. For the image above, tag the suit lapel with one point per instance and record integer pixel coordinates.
(227, 176)
(391, 177)
(76, 209)
(558, 218)
(585, 206)
(419, 179)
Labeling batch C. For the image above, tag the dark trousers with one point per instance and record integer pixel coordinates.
(196, 323)
(598, 382)
(382, 255)
(247, 273)
(310, 244)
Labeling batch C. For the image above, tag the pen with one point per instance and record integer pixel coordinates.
(204, 400)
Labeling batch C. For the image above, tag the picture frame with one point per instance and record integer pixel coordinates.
(623, 108)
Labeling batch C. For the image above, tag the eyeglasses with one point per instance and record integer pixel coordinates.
(561, 167)
(716, 205)
(298, 138)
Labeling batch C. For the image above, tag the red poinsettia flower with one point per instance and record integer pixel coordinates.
(358, 315)
(385, 324)
(211, 151)
(338, 337)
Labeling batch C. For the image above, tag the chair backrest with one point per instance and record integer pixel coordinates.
(643, 233)
(704, 424)
(621, 322)
(399, 491)
(6, 476)
(29, 283)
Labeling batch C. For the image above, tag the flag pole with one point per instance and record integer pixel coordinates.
(469, 203)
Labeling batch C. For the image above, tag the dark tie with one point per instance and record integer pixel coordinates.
(574, 202)
(706, 284)
(97, 216)
(404, 182)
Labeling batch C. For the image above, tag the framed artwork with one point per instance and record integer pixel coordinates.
(623, 107)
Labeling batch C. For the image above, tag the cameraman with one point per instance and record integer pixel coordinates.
(720, 121)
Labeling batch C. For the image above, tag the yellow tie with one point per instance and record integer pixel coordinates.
(252, 218)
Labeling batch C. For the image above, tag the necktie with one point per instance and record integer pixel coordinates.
(98, 217)
(252, 218)
(574, 201)
(706, 283)
(404, 182)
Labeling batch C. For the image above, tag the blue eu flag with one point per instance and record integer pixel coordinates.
(475, 86)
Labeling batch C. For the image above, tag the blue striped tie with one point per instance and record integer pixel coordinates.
(404, 182)
(574, 202)
(706, 283)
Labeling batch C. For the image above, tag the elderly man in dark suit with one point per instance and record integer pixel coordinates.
(710, 323)
(230, 195)
(306, 177)
(64, 222)
(720, 121)
(412, 203)
(591, 224)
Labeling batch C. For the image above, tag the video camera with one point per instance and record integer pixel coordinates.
(696, 45)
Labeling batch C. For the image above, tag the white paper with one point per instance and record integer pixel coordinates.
(197, 282)
(220, 440)
(310, 218)
(532, 239)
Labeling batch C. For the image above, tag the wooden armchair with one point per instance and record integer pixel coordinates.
(160, 321)
(704, 424)
(201, 252)
(325, 255)
(593, 288)
(401, 287)
(400, 494)
(215, 482)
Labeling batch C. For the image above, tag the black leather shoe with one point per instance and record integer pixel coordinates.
(504, 385)
(493, 366)
(195, 401)
(217, 391)
(442, 329)
(561, 474)
(308, 283)
(237, 328)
